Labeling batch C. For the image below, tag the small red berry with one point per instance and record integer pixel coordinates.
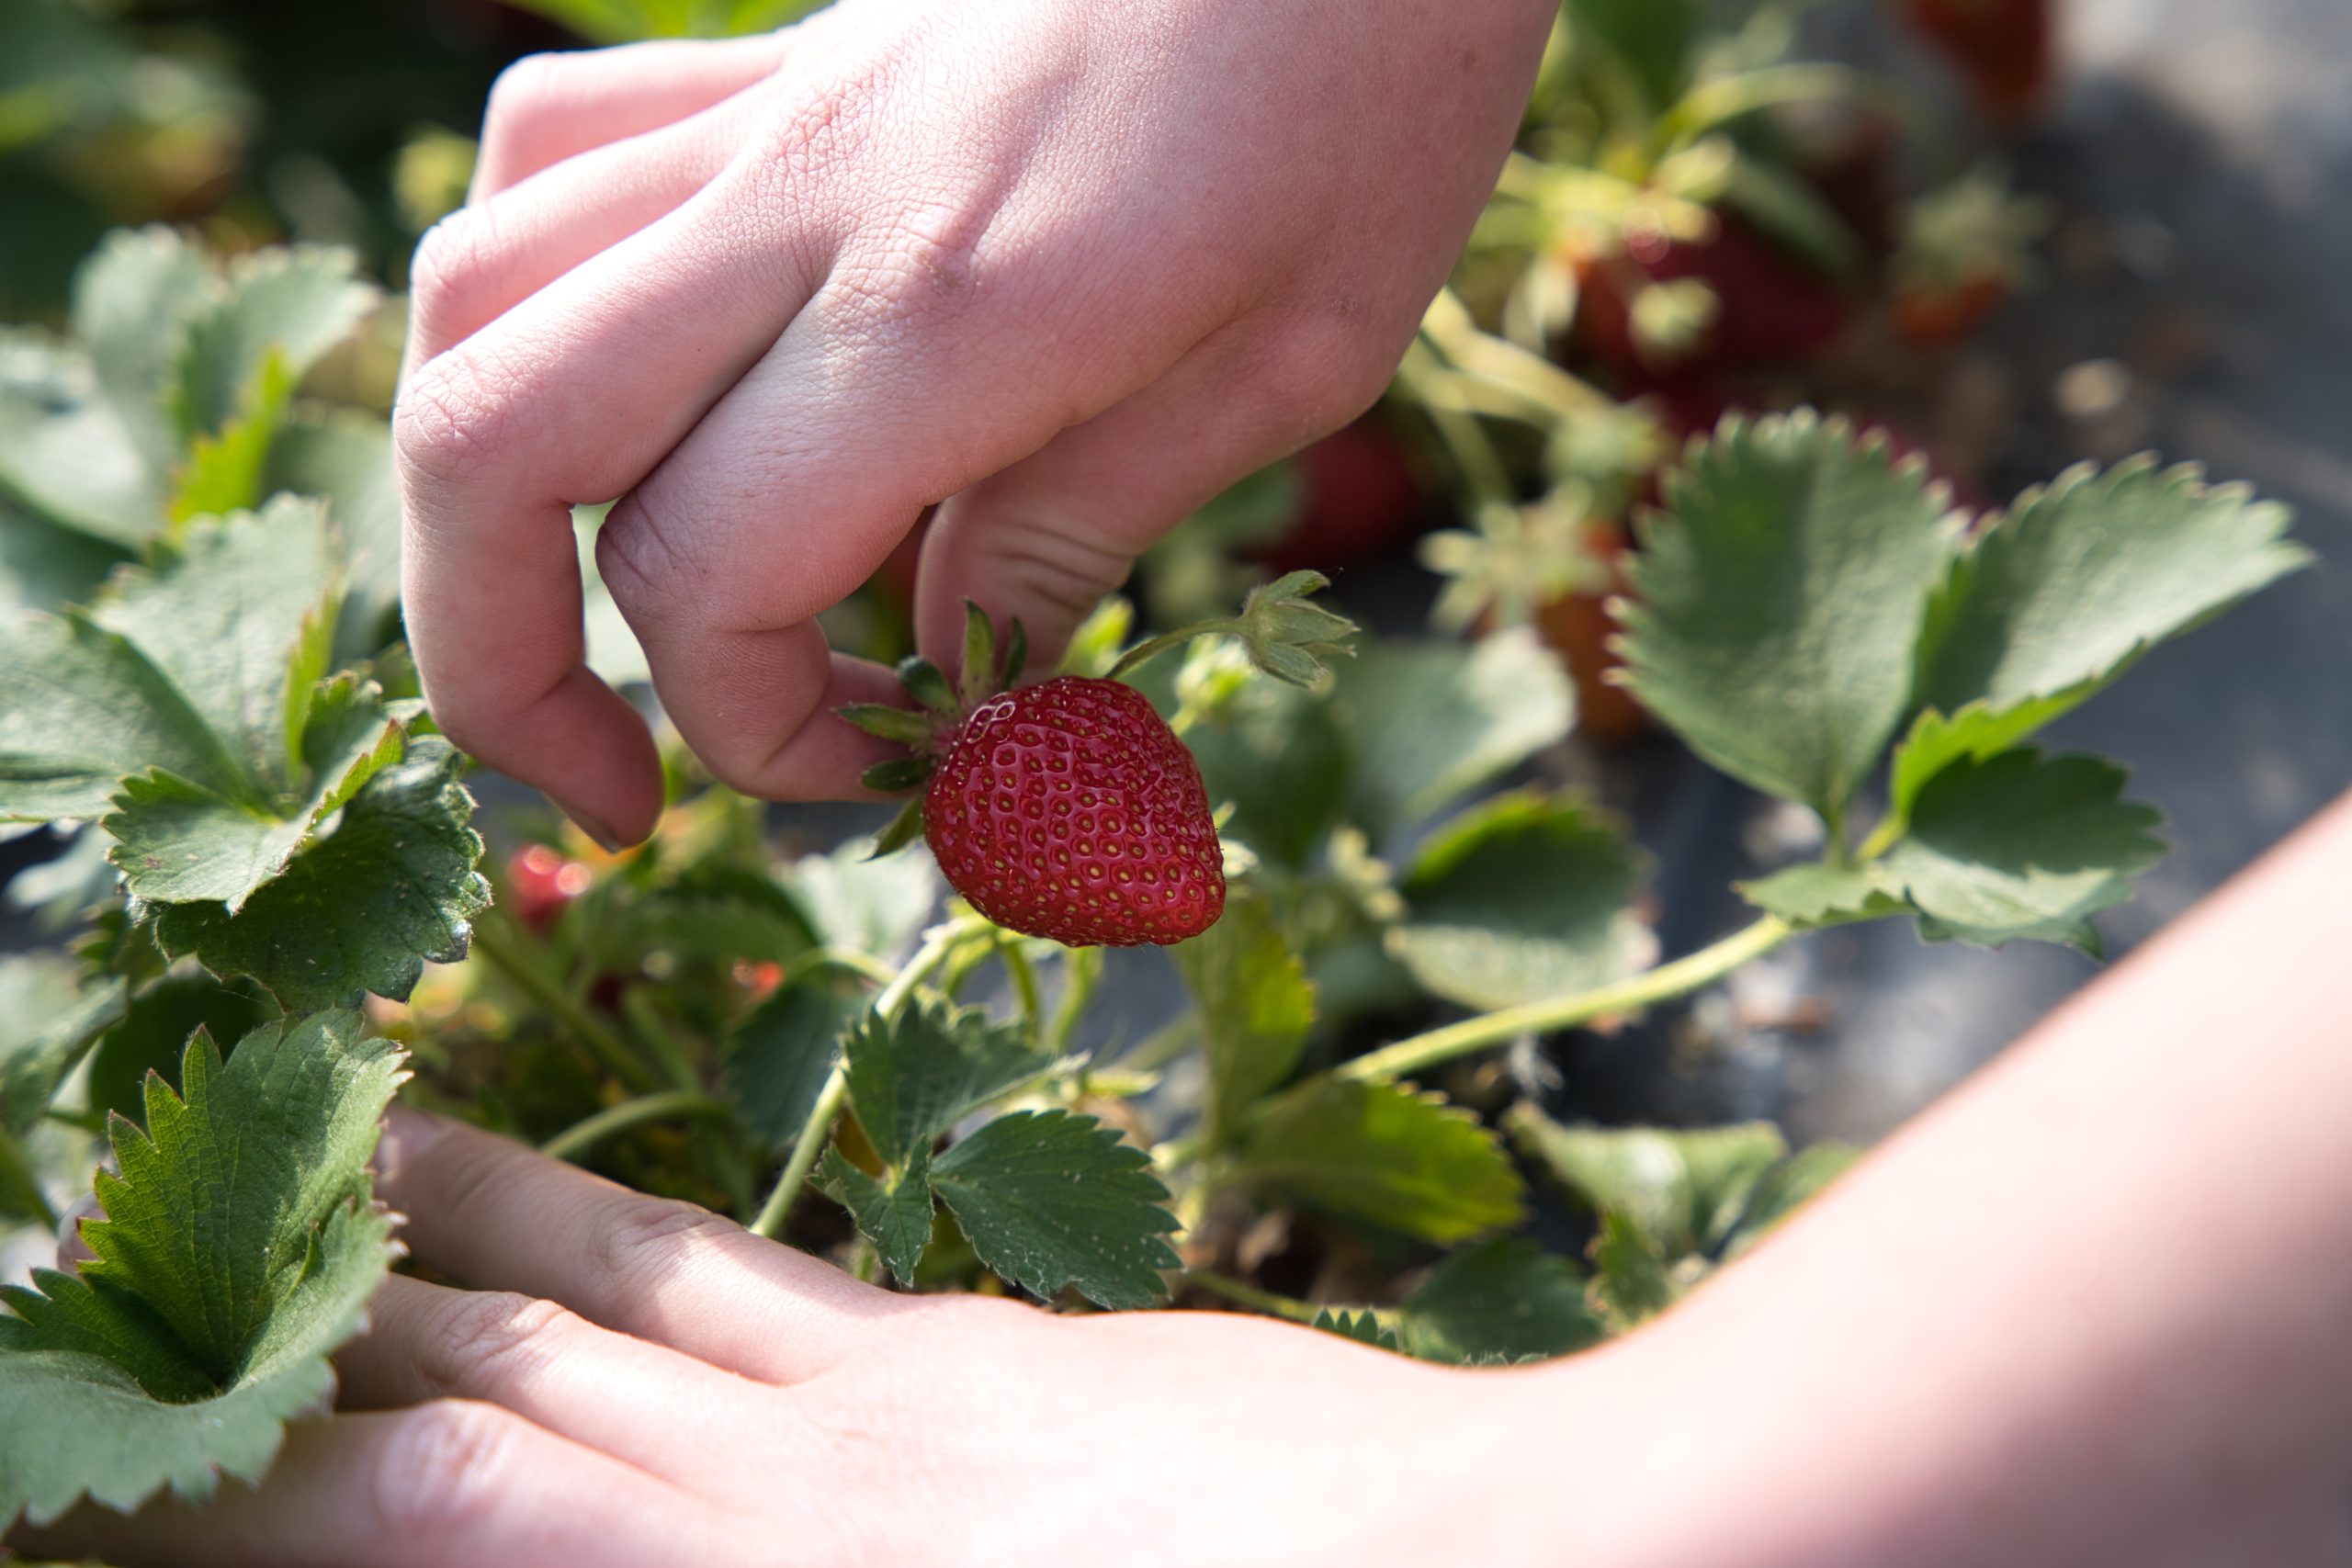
(542, 883)
(1071, 810)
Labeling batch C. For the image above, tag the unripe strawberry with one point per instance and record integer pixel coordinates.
(1071, 810)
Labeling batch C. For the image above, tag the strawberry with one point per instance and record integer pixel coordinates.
(1067, 809)
(2001, 49)
(1071, 810)
(1359, 497)
(541, 882)
(1766, 309)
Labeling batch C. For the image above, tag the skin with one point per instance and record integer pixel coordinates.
(1054, 272)
(2088, 1310)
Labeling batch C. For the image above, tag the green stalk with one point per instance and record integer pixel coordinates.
(849, 960)
(514, 960)
(662, 1043)
(1251, 1296)
(16, 1177)
(935, 952)
(1025, 979)
(1421, 1051)
(581, 1136)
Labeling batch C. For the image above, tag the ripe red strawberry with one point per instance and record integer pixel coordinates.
(1071, 810)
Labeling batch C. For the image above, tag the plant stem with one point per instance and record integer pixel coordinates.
(1251, 1296)
(581, 1136)
(848, 959)
(1081, 967)
(662, 1040)
(1163, 1045)
(1024, 978)
(1685, 974)
(17, 1178)
(936, 947)
(514, 960)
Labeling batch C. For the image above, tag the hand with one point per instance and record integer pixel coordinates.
(1059, 269)
(703, 1396)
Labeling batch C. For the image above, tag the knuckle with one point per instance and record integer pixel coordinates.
(645, 1239)
(1066, 570)
(519, 91)
(453, 263)
(441, 1473)
(489, 1339)
(442, 429)
(639, 557)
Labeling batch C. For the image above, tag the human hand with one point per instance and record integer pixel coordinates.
(1061, 270)
(710, 1397)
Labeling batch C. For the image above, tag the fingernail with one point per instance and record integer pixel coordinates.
(612, 843)
(407, 1135)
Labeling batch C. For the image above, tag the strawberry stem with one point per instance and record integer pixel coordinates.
(937, 948)
(1685, 974)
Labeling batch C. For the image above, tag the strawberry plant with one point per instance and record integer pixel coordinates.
(1355, 851)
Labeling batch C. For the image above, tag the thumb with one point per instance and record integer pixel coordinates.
(1045, 540)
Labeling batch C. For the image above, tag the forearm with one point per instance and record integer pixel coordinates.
(2090, 1309)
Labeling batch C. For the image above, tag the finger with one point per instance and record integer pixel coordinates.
(571, 396)
(900, 384)
(452, 1482)
(486, 257)
(1043, 540)
(502, 1217)
(547, 108)
(618, 1394)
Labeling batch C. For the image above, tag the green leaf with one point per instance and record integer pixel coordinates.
(133, 301)
(1506, 1300)
(65, 452)
(781, 1054)
(1651, 41)
(1822, 895)
(1255, 1006)
(1383, 1153)
(1786, 1188)
(48, 1018)
(1361, 1325)
(291, 304)
(915, 1075)
(1522, 896)
(1274, 753)
(43, 566)
(234, 615)
(1632, 1283)
(852, 900)
(240, 1248)
(187, 705)
(2060, 596)
(1051, 1199)
(152, 1036)
(224, 471)
(1428, 722)
(344, 457)
(1682, 1190)
(363, 909)
(893, 1213)
(1780, 598)
(2021, 846)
